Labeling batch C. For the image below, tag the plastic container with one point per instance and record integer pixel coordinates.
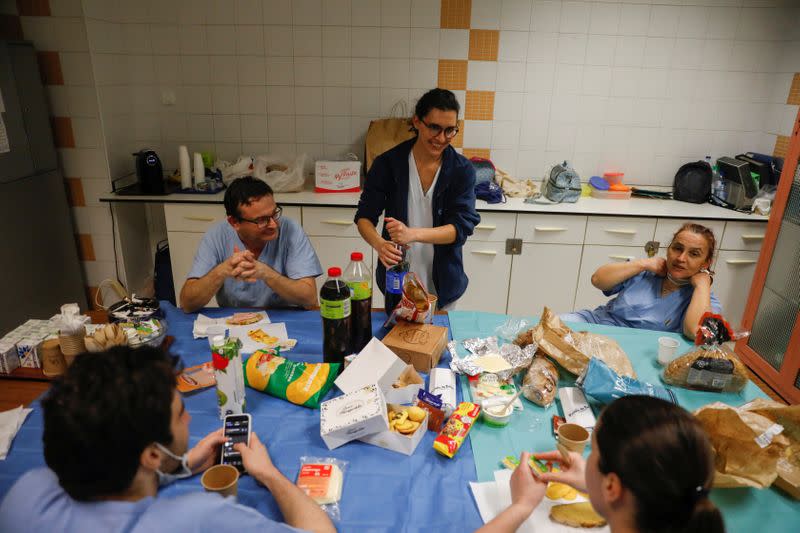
(497, 415)
(613, 177)
(334, 306)
(611, 195)
(359, 278)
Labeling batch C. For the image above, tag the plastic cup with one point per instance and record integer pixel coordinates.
(215, 330)
(572, 437)
(667, 346)
(222, 479)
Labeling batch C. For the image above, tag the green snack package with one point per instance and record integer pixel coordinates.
(299, 383)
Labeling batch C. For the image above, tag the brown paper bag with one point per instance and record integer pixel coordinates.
(787, 416)
(746, 447)
(385, 134)
(572, 349)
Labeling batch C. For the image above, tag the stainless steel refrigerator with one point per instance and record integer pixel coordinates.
(39, 266)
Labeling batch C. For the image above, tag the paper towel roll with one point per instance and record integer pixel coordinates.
(199, 169)
(186, 167)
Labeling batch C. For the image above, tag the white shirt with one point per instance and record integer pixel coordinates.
(420, 215)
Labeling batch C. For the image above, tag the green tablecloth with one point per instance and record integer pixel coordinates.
(745, 510)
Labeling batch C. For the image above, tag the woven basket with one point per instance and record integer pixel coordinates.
(72, 345)
(53, 362)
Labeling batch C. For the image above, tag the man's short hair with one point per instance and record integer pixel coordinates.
(242, 191)
(102, 414)
(441, 99)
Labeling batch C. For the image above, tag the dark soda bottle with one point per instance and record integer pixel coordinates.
(394, 283)
(334, 306)
(359, 279)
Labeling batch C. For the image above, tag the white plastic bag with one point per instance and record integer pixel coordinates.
(231, 171)
(281, 173)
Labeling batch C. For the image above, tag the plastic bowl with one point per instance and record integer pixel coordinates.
(497, 415)
(613, 177)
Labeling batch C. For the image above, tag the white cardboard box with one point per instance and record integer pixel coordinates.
(374, 364)
(337, 176)
(352, 416)
(407, 394)
(397, 442)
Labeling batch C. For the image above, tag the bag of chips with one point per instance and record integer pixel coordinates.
(299, 383)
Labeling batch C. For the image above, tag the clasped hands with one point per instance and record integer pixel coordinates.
(244, 266)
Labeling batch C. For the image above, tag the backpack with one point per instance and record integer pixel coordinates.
(562, 185)
(484, 169)
(693, 183)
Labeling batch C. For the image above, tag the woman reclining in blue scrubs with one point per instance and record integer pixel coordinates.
(655, 293)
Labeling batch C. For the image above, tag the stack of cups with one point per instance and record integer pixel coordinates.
(667, 347)
(72, 345)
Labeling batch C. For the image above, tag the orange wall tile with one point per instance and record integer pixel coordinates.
(477, 152)
(50, 68)
(781, 146)
(452, 74)
(62, 132)
(33, 8)
(85, 247)
(794, 91)
(480, 105)
(75, 195)
(483, 45)
(455, 14)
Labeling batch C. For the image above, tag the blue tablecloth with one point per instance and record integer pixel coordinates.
(744, 510)
(383, 490)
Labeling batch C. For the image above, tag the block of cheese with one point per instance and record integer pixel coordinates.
(322, 482)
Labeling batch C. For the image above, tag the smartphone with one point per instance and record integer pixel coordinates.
(237, 429)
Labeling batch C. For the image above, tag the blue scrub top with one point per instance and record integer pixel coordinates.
(290, 254)
(639, 304)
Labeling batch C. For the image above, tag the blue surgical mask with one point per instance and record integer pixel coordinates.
(184, 472)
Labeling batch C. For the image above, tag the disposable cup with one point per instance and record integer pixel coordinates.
(667, 347)
(214, 331)
(572, 437)
(222, 479)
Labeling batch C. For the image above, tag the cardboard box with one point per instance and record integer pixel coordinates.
(420, 345)
(337, 176)
(28, 352)
(407, 394)
(397, 442)
(374, 364)
(352, 416)
(9, 360)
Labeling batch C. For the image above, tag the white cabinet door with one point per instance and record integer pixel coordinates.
(182, 247)
(544, 275)
(743, 236)
(619, 231)
(594, 256)
(488, 268)
(495, 227)
(335, 251)
(734, 275)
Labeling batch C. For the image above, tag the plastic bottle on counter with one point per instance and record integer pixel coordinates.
(394, 283)
(359, 280)
(334, 306)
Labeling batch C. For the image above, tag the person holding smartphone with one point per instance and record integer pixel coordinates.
(115, 429)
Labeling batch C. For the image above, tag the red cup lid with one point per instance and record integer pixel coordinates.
(356, 256)
(334, 272)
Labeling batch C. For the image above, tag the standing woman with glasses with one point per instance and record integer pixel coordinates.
(426, 192)
(254, 258)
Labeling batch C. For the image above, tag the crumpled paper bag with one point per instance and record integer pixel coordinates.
(574, 349)
(747, 445)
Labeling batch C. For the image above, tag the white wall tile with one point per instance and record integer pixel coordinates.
(716, 54)
(634, 19)
(336, 41)
(364, 102)
(308, 71)
(87, 132)
(664, 21)
(575, 17)
(481, 75)
(336, 12)
(515, 15)
(280, 129)
(425, 43)
(505, 159)
(252, 100)
(280, 101)
(308, 12)
(394, 72)
(453, 44)
(309, 129)
(225, 100)
(423, 74)
(722, 22)
(505, 134)
(336, 72)
(199, 128)
(197, 99)
(224, 70)
(604, 19)
(194, 70)
(249, 12)
(336, 130)
(308, 101)
(252, 70)
(658, 52)
(307, 41)
(366, 13)
(65, 8)
(600, 49)
(693, 22)
(629, 51)
(508, 105)
(513, 46)
(571, 48)
(279, 41)
(485, 14)
(546, 16)
(427, 14)
(250, 40)
(396, 42)
(365, 72)
(477, 133)
(221, 39)
(625, 81)
(254, 128)
(390, 97)
(280, 70)
(568, 79)
(530, 163)
(540, 77)
(596, 80)
(591, 109)
(337, 101)
(511, 76)
(82, 101)
(561, 137)
(220, 12)
(366, 42)
(564, 109)
(542, 47)
(653, 83)
(192, 40)
(396, 13)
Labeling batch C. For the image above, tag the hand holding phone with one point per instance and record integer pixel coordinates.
(237, 428)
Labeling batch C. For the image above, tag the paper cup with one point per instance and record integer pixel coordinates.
(223, 479)
(53, 362)
(573, 437)
(215, 330)
(667, 347)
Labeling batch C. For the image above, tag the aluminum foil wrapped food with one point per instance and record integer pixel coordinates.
(517, 358)
(540, 383)
(574, 349)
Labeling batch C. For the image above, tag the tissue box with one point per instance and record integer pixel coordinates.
(352, 416)
(337, 176)
(9, 360)
(420, 345)
(28, 352)
(397, 442)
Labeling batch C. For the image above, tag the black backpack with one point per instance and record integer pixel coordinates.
(693, 183)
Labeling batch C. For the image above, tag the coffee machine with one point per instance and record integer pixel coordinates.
(149, 177)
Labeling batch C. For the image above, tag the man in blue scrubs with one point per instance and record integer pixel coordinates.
(255, 258)
(115, 429)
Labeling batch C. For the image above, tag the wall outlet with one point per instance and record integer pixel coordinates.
(168, 97)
